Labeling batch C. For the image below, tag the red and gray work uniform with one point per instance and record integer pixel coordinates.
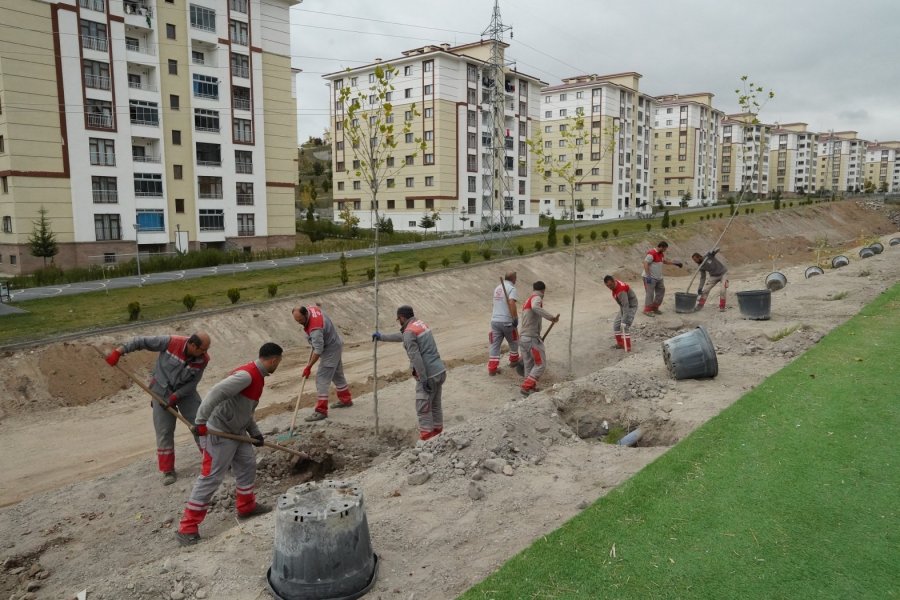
(229, 407)
(530, 343)
(653, 280)
(717, 272)
(428, 369)
(175, 373)
(328, 344)
(628, 304)
(502, 328)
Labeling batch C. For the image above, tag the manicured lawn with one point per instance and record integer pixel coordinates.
(792, 492)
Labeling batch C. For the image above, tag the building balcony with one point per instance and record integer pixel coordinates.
(100, 121)
(240, 71)
(148, 194)
(145, 121)
(246, 231)
(97, 82)
(103, 159)
(209, 163)
(210, 195)
(141, 47)
(243, 168)
(100, 44)
(145, 158)
(142, 85)
(241, 104)
(208, 129)
(240, 6)
(95, 5)
(106, 196)
(245, 199)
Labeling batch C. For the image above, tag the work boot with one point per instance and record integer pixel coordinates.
(649, 313)
(187, 539)
(494, 372)
(316, 416)
(339, 404)
(656, 311)
(259, 509)
(426, 435)
(169, 477)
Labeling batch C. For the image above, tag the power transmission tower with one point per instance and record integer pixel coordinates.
(497, 197)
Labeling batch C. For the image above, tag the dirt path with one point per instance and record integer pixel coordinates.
(110, 532)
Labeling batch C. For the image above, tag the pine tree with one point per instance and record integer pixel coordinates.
(551, 233)
(42, 239)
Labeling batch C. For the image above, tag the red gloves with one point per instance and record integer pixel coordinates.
(173, 400)
(307, 370)
(200, 429)
(112, 359)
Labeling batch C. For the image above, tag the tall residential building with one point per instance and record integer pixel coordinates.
(883, 166)
(452, 176)
(792, 159)
(686, 150)
(616, 173)
(744, 160)
(156, 124)
(841, 162)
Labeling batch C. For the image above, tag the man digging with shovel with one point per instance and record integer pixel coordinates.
(179, 368)
(229, 407)
(327, 348)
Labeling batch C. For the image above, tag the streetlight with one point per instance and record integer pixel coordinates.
(137, 247)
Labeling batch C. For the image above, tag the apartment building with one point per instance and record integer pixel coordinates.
(155, 125)
(686, 150)
(743, 156)
(792, 159)
(613, 169)
(841, 162)
(453, 176)
(882, 167)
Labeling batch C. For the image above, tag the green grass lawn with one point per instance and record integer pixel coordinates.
(792, 492)
(54, 316)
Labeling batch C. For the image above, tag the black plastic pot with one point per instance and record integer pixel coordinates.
(877, 247)
(839, 261)
(685, 302)
(755, 305)
(812, 272)
(866, 252)
(895, 241)
(691, 355)
(775, 281)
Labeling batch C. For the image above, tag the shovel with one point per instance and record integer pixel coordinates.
(240, 438)
(546, 333)
(296, 407)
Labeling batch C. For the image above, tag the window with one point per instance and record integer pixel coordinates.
(562, 112)
(410, 182)
(429, 181)
(407, 70)
(176, 137)
(428, 66)
(173, 66)
(2, 145)
(429, 112)
(93, 36)
(429, 203)
(243, 131)
(238, 32)
(150, 219)
(99, 114)
(472, 183)
(236, 5)
(408, 138)
(104, 190)
(206, 87)
(390, 161)
(103, 152)
(148, 185)
(548, 188)
(548, 114)
(107, 227)
(7, 224)
(409, 159)
(212, 219)
(179, 205)
(203, 18)
(209, 155)
(170, 31)
(390, 184)
(428, 89)
(177, 172)
(144, 113)
(407, 115)
(244, 193)
(240, 97)
(174, 102)
(210, 188)
(357, 185)
(206, 120)
(243, 161)
(471, 163)
(410, 204)
(391, 204)
(240, 65)
(96, 74)
(246, 224)
(197, 57)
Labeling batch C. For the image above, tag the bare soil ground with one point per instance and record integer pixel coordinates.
(86, 508)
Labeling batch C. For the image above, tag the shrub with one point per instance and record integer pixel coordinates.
(234, 295)
(445, 262)
(134, 311)
(649, 226)
(189, 302)
(664, 224)
(681, 221)
(486, 253)
(345, 276)
(776, 205)
(579, 237)
(520, 249)
(423, 264)
(593, 235)
(272, 289)
(466, 256)
(538, 245)
(551, 233)
(567, 239)
(746, 211)
(396, 269)
(720, 215)
(604, 234)
(370, 273)
(615, 233)
(752, 210)
(790, 205)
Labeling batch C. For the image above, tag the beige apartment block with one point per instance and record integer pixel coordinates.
(841, 162)
(744, 156)
(792, 159)
(145, 126)
(686, 150)
(450, 88)
(614, 166)
(882, 166)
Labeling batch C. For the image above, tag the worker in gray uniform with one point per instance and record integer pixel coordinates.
(327, 349)
(530, 342)
(718, 273)
(229, 407)
(504, 325)
(179, 367)
(427, 368)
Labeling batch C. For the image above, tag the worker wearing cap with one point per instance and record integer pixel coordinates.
(179, 367)
(327, 349)
(504, 325)
(530, 342)
(427, 368)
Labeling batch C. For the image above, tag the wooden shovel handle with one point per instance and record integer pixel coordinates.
(546, 333)
(249, 440)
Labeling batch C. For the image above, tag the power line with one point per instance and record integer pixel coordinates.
(318, 12)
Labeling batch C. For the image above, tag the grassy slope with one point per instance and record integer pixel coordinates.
(792, 492)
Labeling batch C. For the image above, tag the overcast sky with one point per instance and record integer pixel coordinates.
(832, 63)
